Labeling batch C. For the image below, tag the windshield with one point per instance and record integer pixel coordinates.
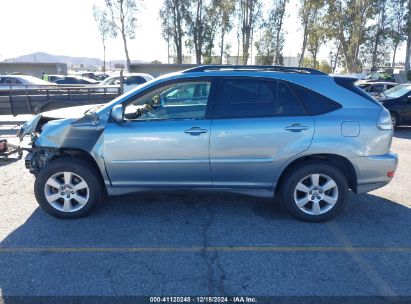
(129, 93)
(398, 91)
(108, 81)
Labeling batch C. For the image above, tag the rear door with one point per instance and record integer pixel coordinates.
(257, 125)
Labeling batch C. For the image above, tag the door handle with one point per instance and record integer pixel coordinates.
(296, 127)
(195, 131)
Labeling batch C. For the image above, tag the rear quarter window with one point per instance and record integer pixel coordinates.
(315, 103)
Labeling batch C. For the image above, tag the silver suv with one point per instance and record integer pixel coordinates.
(294, 133)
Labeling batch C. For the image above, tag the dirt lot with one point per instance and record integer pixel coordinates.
(202, 244)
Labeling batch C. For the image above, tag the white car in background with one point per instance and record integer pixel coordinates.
(376, 88)
(22, 82)
(131, 80)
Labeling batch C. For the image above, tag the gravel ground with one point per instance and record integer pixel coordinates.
(206, 244)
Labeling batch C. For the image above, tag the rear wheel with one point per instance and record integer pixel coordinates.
(315, 192)
(68, 188)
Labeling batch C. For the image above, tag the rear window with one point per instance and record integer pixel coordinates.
(316, 104)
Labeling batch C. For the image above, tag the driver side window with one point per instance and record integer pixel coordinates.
(184, 100)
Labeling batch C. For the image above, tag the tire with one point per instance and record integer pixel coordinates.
(395, 119)
(322, 204)
(82, 188)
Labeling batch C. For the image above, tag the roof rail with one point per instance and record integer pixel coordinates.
(273, 68)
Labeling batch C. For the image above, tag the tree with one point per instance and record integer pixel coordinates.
(270, 46)
(278, 19)
(308, 13)
(227, 7)
(249, 13)
(172, 15)
(219, 18)
(196, 27)
(325, 67)
(347, 22)
(104, 27)
(380, 32)
(316, 36)
(123, 19)
(266, 48)
(398, 29)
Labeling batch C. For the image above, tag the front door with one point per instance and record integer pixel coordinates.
(406, 109)
(164, 140)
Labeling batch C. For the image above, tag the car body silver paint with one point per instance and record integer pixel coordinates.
(350, 128)
(157, 153)
(251, 158)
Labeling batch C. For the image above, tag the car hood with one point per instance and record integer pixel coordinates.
(70, 112)
(36, 123)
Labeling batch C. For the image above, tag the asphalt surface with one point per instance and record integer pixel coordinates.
(206, 244)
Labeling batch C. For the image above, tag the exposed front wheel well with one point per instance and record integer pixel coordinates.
(83, 155)
(337, 161)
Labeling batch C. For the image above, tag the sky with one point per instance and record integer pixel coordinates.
(67, 27)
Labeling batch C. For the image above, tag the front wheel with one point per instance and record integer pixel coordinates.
(315, 192)
(68, 188)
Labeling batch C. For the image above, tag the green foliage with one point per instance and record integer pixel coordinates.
(270, 45)
(123, 20)
(325, 67)
(309, 12)
(347, 21)
(123, 16)
(249, 14)
(219, 20)
(172, 24)
(364, 32)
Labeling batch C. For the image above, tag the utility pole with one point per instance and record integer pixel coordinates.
(408, 51)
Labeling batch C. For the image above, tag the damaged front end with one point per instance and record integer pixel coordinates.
(53, 137)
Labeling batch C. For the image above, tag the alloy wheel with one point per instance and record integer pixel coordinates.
(393, 120)
(66, 191)
(316, 194)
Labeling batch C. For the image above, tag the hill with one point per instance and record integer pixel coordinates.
(69, 60)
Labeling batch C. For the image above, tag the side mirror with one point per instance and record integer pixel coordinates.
(117, 113)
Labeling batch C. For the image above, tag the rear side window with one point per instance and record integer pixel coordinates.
(242, 98)
(316, 104)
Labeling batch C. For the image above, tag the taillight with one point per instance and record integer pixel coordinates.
(384, 121)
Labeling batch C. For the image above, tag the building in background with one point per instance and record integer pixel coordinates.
(291, 61)
(35, 69)
(186, 60)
